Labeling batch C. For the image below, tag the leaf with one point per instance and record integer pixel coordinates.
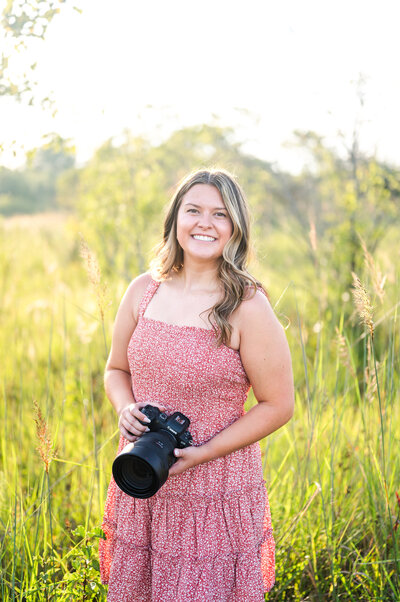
(98, 532)
(79, 531)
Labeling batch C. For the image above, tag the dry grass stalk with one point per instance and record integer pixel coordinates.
(45, 447)
(300, 514)
(378, 281)
(363, 304)
(313, 235)
(370, 375)
(94, 274)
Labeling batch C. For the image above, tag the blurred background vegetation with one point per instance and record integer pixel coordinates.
(119, 195)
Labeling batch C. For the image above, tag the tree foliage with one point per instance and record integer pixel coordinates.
(34, 188)
(345, 199)
(22, 23)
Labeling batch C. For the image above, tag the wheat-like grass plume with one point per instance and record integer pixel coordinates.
(378, 280)
(45, 447)
(363, 304)
(94, 274)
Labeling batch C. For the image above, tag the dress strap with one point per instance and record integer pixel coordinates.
(261, 289)
(148, 294)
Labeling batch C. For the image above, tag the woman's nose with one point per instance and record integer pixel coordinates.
(204, 220)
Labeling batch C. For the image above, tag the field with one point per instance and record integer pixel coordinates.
(332, 472)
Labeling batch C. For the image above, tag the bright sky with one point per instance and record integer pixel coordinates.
(292, 64)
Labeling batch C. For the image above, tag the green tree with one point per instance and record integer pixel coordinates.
(345, 199)
(23, 22)
(34, 187)
(23, 25)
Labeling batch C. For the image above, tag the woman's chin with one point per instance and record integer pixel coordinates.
(205, 256)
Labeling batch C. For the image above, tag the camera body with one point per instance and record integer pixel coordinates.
(176, 424)
(142, 467)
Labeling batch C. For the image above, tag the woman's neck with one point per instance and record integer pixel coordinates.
(200, 278)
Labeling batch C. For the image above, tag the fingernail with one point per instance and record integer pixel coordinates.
(146, 419)
(147, 431)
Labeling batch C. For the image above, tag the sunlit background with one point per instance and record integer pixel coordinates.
(266, 68)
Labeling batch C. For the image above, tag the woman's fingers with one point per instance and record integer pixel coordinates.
(133, 426)
(136, 413)
(129, 424)
(127, 434)
(131, 429)
(135, 423)
(131, 419)
(135, 410)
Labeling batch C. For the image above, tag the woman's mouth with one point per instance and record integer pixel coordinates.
(203, 237)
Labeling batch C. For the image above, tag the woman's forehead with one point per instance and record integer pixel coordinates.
(203, 194)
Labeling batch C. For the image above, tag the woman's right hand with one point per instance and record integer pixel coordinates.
(129, 418)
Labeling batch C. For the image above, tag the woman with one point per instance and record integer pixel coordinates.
(193, 337)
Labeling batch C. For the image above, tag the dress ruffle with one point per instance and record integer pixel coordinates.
(217, 543)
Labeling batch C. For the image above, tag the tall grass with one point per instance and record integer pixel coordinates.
(332, 472)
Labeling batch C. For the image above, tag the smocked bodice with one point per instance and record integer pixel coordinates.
(183, 368)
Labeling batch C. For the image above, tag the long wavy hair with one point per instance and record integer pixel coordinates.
(234, 278)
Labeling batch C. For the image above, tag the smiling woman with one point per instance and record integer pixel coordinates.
(192, 337)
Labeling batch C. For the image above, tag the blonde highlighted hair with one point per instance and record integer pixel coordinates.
(234, 278)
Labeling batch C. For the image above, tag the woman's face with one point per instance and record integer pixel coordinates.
(203, 223)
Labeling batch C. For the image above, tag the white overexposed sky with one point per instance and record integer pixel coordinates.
(290, 64)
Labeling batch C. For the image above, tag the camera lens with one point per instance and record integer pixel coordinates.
(134, 475)
(142, 468)
(138, 471)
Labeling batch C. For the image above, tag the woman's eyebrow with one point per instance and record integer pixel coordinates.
(198, 207)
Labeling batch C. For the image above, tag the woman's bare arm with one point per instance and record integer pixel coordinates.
(117, 377)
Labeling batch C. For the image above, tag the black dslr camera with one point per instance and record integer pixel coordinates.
(142, 467)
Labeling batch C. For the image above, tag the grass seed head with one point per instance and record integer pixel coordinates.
(45, 447)
(362, 304)
(378, 281)
(94, 274)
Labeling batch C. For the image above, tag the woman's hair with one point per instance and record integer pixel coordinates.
(232, 273)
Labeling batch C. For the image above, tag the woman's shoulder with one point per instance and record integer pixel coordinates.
(139, 284)
(256, 309)
(253, 295)
(255, 300)
(137, 289)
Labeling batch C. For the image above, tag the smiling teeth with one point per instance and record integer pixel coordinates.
(200, 237)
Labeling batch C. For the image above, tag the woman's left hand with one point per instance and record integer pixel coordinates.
(188, 457)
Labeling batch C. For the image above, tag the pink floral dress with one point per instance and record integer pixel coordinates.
(206, 535)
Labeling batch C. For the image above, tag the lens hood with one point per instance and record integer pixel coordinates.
(141, 468)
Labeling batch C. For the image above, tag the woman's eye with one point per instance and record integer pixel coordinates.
(217, 214)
